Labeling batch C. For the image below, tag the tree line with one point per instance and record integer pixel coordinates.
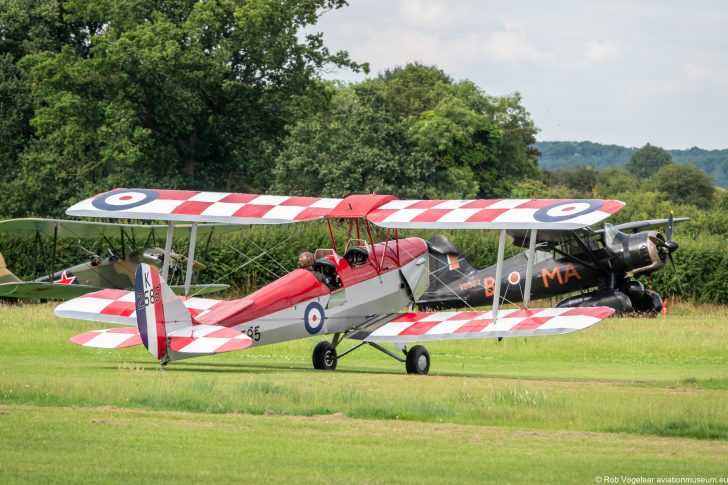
(568, 154)
(228, 96)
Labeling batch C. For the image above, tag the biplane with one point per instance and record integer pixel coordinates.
(364, 291)
(601, 265)
(133, 244)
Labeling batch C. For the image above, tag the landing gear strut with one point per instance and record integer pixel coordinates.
(416, 359)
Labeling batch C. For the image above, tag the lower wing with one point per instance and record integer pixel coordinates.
(533, 322)
(51, 291)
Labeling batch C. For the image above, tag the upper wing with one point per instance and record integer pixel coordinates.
(29, 227)
(386, 211)
(493, 213)
(648, 224)
(182, 205)
(117, 306)
(418, 326)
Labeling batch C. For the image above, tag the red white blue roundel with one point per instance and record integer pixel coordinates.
(123, 199)
(313, 318)
(562, 211)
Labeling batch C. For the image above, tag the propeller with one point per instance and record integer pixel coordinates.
(667, 246)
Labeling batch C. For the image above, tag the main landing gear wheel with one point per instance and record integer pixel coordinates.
(324, 356)
(418, 360)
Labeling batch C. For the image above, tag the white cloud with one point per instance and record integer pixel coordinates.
(594, 65)
(709, 74)
(512, 46)
(601, 51)
(429, 13)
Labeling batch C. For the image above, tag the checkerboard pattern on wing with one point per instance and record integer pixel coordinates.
(419, 326)
(193, 206)
(208, 339)
(118, 306)
(114, 338)
(494, 213)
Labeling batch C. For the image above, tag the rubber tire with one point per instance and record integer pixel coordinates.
(650, 305)
(324, 356)
(416, 357)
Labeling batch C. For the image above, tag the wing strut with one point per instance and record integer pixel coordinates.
(498, 273)
(529, 268)
(168, 251)
(190, 258)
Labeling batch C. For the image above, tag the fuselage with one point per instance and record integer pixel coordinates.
(608, 266)
(551, 277)
(303, 303)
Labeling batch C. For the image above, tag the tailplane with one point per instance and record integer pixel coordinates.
(166, 326)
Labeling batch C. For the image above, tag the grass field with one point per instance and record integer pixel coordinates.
(625, 398)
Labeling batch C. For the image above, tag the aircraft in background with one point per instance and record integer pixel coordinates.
(358, 294)
(113, 271)
(602, 265)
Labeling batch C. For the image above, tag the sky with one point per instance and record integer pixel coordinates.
(617, 72)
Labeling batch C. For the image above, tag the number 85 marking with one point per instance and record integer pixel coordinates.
(253, 332)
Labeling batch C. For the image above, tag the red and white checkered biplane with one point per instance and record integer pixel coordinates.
(357, 294)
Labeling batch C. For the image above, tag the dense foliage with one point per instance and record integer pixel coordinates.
(414, 132)
(167, 93)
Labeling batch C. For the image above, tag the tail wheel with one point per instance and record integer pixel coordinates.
(324, 356)
(418, 360)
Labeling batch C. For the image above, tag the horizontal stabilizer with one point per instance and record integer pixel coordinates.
(420, 326)
(196, 339)
(114, 338)
(208, 339)
(117, 307)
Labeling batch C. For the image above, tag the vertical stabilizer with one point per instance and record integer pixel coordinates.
(159, 312)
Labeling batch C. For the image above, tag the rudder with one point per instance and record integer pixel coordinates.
(447, 263)
(159, 311)
(6, 276)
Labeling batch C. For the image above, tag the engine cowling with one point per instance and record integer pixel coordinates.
(636, 253)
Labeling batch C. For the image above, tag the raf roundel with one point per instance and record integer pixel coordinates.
(562, 211)
(124, 199)
(313, 318)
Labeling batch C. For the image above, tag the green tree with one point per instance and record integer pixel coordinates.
(351, 148)
(613, 181)
(580, 180)
(168, 93)
(647, 160)
(684, 184)
(450, 138)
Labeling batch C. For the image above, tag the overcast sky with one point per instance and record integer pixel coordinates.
(617, 71)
